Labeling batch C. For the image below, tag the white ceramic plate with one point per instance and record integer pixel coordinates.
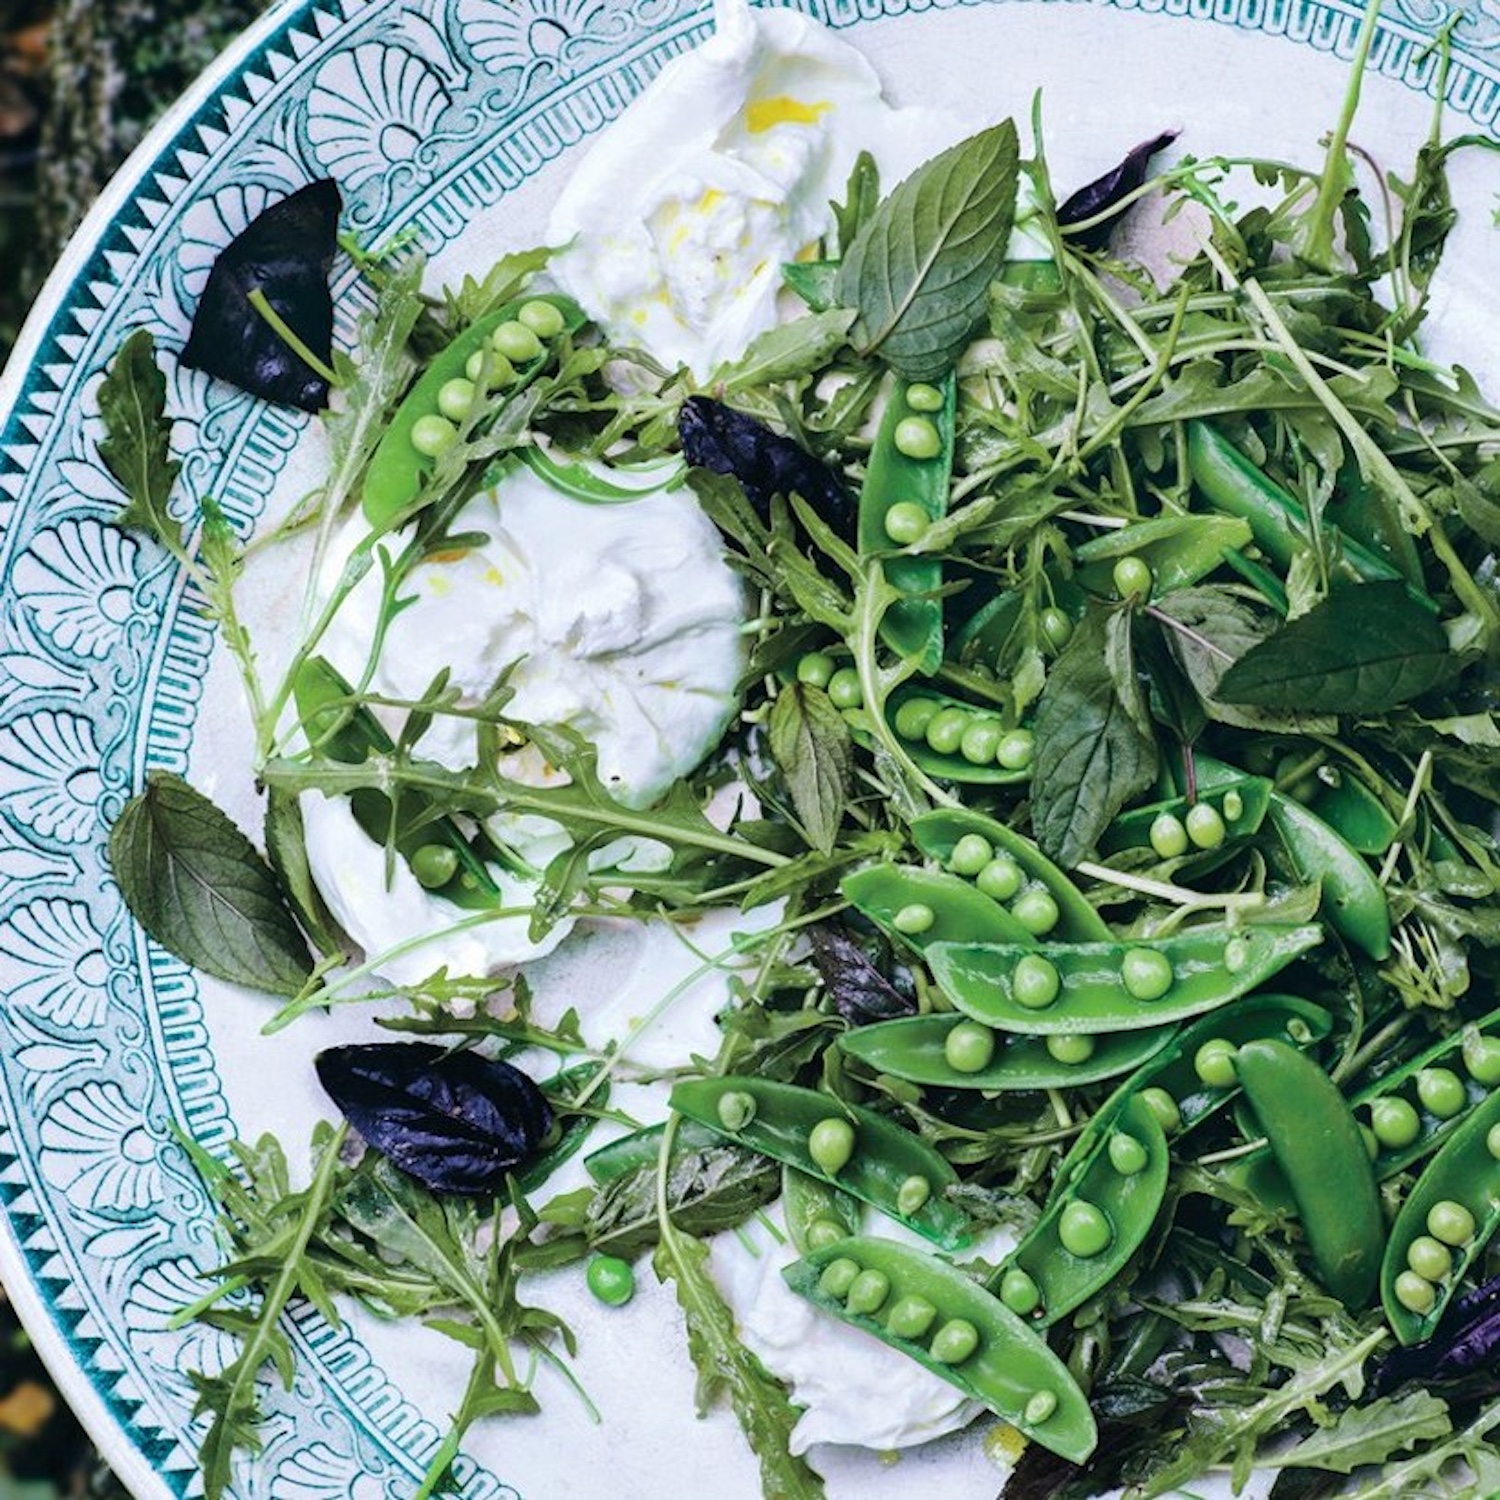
(455, 119)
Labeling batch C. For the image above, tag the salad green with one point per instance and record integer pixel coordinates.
(1154, 663)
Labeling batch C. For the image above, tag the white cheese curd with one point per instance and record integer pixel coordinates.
(676, 224)
(855, 1389)
(620, 620)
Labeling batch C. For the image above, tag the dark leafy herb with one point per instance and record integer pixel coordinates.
(1464, 1349)
(285, 255)
(860, 993)
(717, 437)
(811, 745)
(1363, 649)
(198, 886)
(1104, 192)
(456, 1121)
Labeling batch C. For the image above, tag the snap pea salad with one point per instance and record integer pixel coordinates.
(1120, 762)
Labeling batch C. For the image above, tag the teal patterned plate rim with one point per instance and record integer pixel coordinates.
(428, 112)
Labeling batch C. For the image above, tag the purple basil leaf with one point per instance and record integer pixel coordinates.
(1465, 1344)
(1104, 192)
(859, 991)
(455, 1121)
(717, 437)
(286, 252)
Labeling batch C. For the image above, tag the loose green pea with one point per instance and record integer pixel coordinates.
(1126, 1154)
(1146, 973)
(1041, 1406)
(830, 1143)
(945, 729)
(917, 437)
(1442, 1092)
(1395, 1122)
(1071, 1047)
(969, 1047)
(838, 1276)
(1037, 911)
(954, 1342)
(1016, 750)
(1450, 1222)
(1132, 578)
(912, 1194)
(456, 398)
(906, 522)
(611, 1280)
(1205, 825)
(1492, 1142)
(1481, 1056)
(1163, 1106)
(914, 918)
(1019, 1292)
(1057, 628)
(981, 741)
(970, 854)
(913, 716)
(542, 318)
(1415, 1293)
(516, 342)
(434, 865)
(1214, 1063)
(910, 1317)
(921, 397)
(736, 1109)
(1001, 878)
(1168, 836)
(822, 1233)
(868, 1292)
(1431, 1259)
(1083, 1229)
(1035, 982)
(816, 669)
(844, 690)
(432, 435)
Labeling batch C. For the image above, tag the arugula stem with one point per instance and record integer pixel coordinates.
(290, 337)
(481, 1377)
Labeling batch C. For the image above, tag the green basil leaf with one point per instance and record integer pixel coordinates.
(1091, 754)
(132, 402)
(810, 743)
(1360, 650)
(919, 270)
(198, 886)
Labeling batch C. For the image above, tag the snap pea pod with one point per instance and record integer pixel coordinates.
(397, 468)
(883, 1165)
(934, 728)
(902, 473)
(938, 833)
(920, 1049)
(1116, 1180)
(1353, 811)
(1353, 901)
(350, 734)
(1178, 549)
(1093, 987)
(1232, 809)
(642, 1148)
(1317, 1145)
(1450, 1215)
(1413, 1109)
(919, 906)
(815, 1213)
(934, 1313)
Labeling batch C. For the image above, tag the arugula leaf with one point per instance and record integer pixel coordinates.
(920, 268)
(1092, 756)
(286, 849)
(786, 351)
(198, 886)
(810, 743)
(135, 448)
(861, 199)
(1360, 650)
(1368, 1434)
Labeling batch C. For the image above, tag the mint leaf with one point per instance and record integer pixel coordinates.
(919, 270)
(1360, 650)
(198, 886)
(132, 402)
(1092, 755)
(810, 743)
